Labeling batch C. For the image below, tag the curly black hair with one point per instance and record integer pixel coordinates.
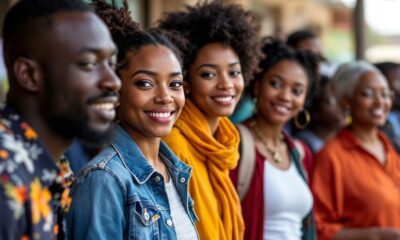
(128, 35)
(276, 51)
(213, 22)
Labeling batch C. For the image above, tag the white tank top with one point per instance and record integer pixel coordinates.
(184, 228)
(287, 200)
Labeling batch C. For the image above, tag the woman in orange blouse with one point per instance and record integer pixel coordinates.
(356, 179)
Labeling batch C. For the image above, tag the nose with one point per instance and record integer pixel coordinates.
(224, 82)
(379, 99)
(109, 80)
(163, 95)
(285, 94)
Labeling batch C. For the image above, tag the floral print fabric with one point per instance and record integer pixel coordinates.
(34, 189)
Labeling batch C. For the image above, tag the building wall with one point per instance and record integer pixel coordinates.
(276, 16)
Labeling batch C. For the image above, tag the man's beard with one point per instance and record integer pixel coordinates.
(72, 126)
(70, 119)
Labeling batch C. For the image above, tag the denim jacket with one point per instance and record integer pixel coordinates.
(119, 195)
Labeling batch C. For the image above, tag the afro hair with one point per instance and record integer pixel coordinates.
(213, 22)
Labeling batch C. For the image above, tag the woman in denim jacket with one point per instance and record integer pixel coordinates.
(136, 188)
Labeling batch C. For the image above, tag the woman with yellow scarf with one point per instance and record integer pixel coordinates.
(223, 51)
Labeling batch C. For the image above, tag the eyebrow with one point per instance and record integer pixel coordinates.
(97, 51)
(154, 74)
(282, 79)
(267, 76)
(215, 66)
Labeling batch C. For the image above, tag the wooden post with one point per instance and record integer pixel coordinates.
(359, 29)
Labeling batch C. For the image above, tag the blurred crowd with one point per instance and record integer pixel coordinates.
(198, 128)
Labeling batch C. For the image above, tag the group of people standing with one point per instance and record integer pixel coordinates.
(172, 165)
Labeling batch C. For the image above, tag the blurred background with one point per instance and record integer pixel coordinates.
(348, 29)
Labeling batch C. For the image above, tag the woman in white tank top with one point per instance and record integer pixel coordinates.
(278, 203)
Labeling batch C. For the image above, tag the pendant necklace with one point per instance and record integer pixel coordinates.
(276, 156)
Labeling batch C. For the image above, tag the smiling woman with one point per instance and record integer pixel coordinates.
(341, 178)
(223, 54)
(142, 185)
(278, 203)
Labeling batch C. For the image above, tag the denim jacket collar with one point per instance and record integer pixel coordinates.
(134, 160)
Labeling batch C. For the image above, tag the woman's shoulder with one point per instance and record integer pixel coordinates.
(106, 162)
(335, 152)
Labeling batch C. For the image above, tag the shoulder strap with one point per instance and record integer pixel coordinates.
(300, 148)
(302, 152)
(247, 160)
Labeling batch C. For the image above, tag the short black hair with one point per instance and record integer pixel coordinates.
(315, 100)
(127, 34)
(276, 51)
(297, 37)
(386, 66)
(215, 22)
(21, 22)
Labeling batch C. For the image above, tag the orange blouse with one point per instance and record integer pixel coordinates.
(352, 189)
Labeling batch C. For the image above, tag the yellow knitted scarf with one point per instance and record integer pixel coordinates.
(220, 153)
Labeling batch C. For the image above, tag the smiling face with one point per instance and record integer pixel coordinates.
(281, 92)
(371, 101)
(215, 80)
(80, 87)
(152, 96)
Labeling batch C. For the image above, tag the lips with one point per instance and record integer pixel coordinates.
(104, 108)
(281, 108)
(378, 112)
(161, 116)
(224, 100)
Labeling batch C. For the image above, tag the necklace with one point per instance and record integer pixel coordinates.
(276, 156)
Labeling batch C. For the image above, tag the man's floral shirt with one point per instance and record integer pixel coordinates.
(34, 189)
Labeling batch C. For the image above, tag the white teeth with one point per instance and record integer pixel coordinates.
(281, 108)
(160, 114)
(224, 99)
(378, 111)
(104, 106)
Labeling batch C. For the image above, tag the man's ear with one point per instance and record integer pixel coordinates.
(28, 74)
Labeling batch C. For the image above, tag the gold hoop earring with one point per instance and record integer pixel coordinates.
(307, 118)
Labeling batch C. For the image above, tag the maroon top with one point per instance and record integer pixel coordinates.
(253, 202)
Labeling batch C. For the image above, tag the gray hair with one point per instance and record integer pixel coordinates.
(347, 76)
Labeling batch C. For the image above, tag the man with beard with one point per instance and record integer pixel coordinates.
(60, 61)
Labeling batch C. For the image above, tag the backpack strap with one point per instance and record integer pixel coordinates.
(302, 152)
(247, 160)
(300, 148)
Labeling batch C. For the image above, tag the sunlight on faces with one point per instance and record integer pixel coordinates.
(80, 86)
(281, 92)
(371, 100)
(152, 96)
(215, 80)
